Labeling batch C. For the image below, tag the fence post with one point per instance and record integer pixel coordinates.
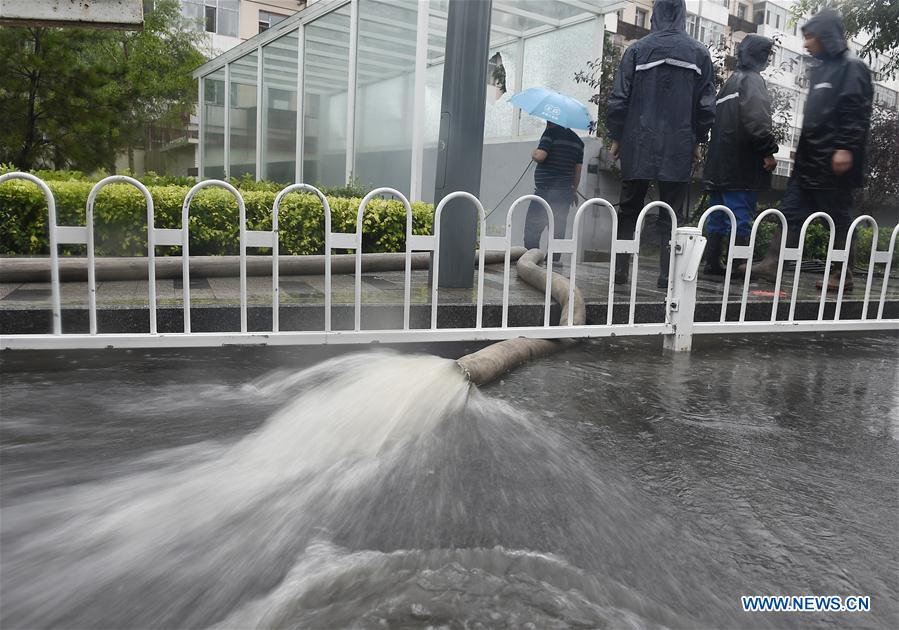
(689, 245)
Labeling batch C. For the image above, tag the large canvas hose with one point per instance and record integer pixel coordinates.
(489, 363)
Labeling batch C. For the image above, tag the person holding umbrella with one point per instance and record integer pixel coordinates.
(661, 108)
(559, 156)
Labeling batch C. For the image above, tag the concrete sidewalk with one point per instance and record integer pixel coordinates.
(122, 304)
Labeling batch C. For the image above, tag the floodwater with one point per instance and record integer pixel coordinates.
(608, 486)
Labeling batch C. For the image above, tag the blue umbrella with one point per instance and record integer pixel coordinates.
(553, 106)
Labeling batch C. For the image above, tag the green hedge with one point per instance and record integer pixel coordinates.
(120, 219)
(818, 236)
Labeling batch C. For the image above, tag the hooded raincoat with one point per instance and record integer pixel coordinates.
(837, 111)
(742, 135)
(663, 100)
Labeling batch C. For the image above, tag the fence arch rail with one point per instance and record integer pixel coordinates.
(677, 326)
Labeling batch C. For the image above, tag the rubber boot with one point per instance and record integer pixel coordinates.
(766, 268)
(713, 266)
(622, 268)
(738, 272)
(664, 259)
(833, 282)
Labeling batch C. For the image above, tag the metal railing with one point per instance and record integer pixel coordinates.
(677, 325)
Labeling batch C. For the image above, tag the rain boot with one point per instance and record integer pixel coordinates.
(622, 268)
(833, 282)
(713, 249)
(738, 272)
(767, 267)
(664, 259)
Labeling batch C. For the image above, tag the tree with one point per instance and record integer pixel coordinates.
(600, 76)
(878, 20)
(75, 98)
(882, 186)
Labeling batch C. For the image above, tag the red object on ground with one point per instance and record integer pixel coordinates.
(760, 293)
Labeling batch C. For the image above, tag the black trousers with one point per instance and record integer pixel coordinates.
(798, 203)
(633, 195)
(560, 200)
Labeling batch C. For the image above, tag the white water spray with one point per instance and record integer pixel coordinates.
(206, 508)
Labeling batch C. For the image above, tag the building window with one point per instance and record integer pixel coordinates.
(212, 16)
(640, 20)
(741, 11)
(768, 17)
(268, 20)
(777, 21)
(210, 19)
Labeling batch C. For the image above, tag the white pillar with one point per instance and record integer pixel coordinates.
(680, 306)
(301, 103)
(351, 91)
(418, 111)
(260, 114)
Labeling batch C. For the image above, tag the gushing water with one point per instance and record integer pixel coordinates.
(382, 490)
(207, 525)
(378, 490)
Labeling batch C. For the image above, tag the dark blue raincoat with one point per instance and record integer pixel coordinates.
(742, 136)
(663, 99)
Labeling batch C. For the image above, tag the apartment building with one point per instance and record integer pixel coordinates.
(229, 22)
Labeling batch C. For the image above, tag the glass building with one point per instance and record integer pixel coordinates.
(352, 88)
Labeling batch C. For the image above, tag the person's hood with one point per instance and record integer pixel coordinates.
(753, 52)
(827, 27)
(669, 15)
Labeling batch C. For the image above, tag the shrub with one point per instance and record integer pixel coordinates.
(817, 237)
(120, 219)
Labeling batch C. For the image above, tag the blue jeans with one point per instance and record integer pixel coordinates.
(742, 204)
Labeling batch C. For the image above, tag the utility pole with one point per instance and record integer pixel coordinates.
(461, 141)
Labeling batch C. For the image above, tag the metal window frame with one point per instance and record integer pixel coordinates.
(426, 11)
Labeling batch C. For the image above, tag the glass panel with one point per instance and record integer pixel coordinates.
(214, 125)
(325, 83)
(551, 10)
(228, 22)
(548, 62)
(499, 115)
(243, 116)
(385, 92)
(434, 78)
(279, 84)
(194, 13)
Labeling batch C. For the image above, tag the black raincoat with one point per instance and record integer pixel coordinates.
(663, 99)
(742, 136)
(837, 112)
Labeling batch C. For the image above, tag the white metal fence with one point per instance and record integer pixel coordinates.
(677, 326)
